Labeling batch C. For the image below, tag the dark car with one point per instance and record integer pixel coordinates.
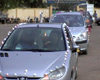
(3, 18)
(39, 52)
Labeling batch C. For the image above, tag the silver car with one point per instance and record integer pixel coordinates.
(39, 52)
(77, 26)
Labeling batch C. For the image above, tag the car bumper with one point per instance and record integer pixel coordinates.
(82, 44)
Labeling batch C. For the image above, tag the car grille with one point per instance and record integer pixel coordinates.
(22, 78)
(81, 42)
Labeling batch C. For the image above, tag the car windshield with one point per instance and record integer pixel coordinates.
(35, 39)
(71, 20)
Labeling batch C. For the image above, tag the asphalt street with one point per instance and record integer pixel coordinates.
(4, 29)
(89, 65)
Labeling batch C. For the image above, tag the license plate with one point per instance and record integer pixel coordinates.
(78, 50)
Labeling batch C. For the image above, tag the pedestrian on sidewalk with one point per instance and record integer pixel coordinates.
(95, 15)
(41, 17)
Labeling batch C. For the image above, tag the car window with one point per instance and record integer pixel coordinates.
(50, 39)
(57, 19)
(71, 20)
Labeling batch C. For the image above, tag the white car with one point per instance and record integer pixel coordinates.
(77, 27)
(39, 52)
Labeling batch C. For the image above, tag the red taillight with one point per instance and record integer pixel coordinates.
(1, 78)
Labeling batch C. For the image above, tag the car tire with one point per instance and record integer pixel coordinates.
(85, 52)
(76, 70)
(98, 24)
(76, 74)
(71, 78)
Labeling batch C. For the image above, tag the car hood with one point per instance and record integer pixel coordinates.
(30, 63)
(76, 31)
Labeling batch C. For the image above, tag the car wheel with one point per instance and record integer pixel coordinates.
(76, 70)
(85, 52)
(98, 23)
(76, 73)
(71, 76)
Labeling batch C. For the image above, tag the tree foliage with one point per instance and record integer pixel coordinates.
(95, 2)
(67, 7)
(6, 4)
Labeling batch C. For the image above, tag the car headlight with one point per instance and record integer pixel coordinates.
(56, 74)
(82, 36)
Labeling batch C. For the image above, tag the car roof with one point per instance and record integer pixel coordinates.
(72, 13)
(53, 25)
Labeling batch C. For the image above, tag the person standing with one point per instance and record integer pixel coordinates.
(95, 15)
(41, 17)
(28, 19)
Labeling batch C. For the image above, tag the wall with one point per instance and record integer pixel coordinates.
(24, 13)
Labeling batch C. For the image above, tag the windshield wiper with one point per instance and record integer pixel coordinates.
(38, 50)
(33, 50)
(7, 49)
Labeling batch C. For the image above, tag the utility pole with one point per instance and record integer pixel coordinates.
(50, 10)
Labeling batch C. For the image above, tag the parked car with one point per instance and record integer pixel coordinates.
(77, 26)
(3, 18)
(39, 52)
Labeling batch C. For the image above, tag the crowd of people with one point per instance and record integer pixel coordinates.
(39, 19)
(29, 19)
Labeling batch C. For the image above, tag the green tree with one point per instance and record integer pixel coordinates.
(95, 2)
(67, 7)
(33, 3)
(6, 4)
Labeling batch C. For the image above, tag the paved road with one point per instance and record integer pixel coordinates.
(89, 65)
(4, 29)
